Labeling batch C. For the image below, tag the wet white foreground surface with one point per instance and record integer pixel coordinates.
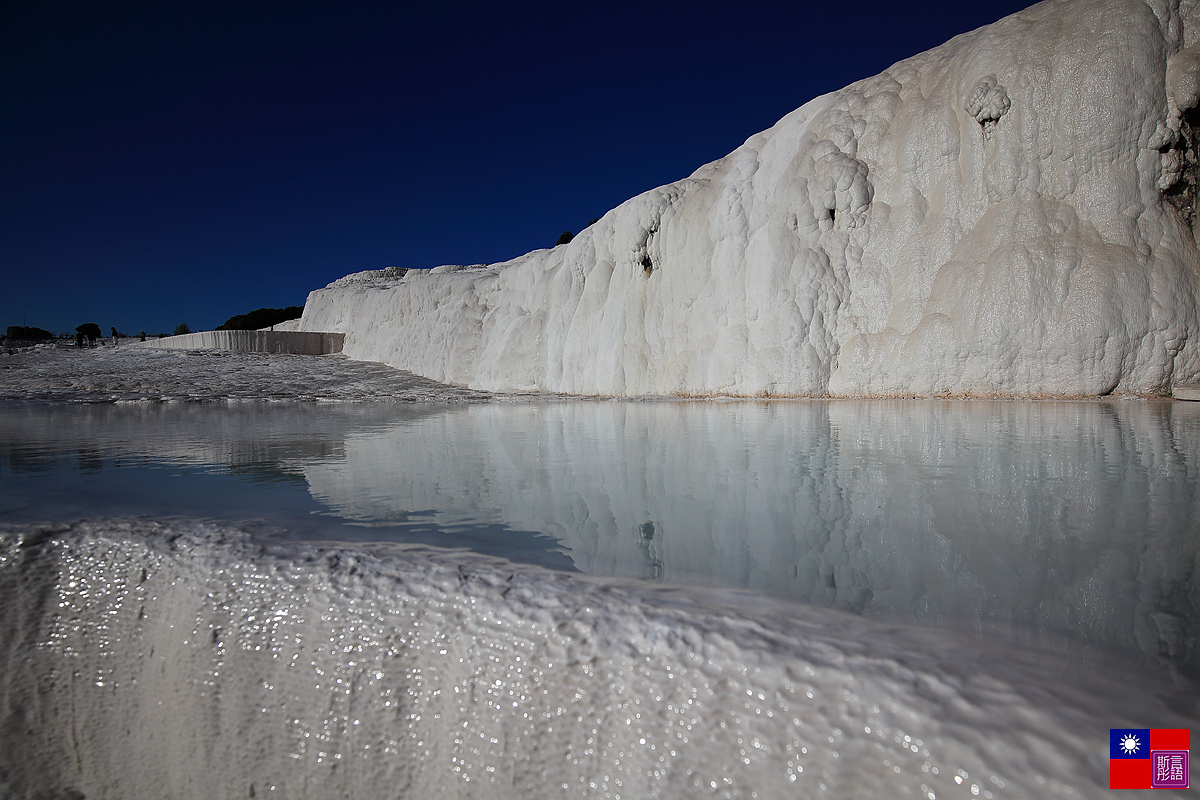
(183, 660)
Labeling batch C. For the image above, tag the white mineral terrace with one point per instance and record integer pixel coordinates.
(151, 658)
(1009, 213)
(1012, 213)
(184, 660)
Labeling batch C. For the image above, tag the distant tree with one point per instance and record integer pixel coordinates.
(181, 329)
(564, 238)
(593, 222)
(90, 330)
(28, 333)
(261, 318)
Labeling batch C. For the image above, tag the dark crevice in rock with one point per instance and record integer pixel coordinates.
(1182, 193)
(645, 261)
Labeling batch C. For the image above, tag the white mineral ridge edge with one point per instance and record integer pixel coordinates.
(182, 660)
(1006, 214)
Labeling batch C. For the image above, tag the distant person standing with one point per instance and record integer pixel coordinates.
(142, 336)
(114, 336)
(79, 339)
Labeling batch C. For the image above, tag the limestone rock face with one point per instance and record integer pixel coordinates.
(1010, 213)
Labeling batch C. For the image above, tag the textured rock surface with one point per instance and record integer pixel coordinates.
(1009, 213)
(147, 660)
(133, 374)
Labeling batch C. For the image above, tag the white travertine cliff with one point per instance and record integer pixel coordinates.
(1009, 213)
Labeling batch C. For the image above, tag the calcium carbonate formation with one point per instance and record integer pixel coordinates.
(1010, 213)
(184, 660)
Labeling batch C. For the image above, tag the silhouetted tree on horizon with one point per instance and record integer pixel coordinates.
(90, 330)
(261, 318)
(28, 333)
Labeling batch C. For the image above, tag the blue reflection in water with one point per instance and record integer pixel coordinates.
(237, 463)
(1067, 519)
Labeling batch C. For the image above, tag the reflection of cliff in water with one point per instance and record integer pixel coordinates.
(1069, 518)
(266, 441)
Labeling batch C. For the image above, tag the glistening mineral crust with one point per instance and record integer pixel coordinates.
(187, 659)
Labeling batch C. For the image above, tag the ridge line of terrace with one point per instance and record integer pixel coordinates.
(309, 343)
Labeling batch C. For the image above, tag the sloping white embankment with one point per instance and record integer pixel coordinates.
(1008, 213)
(305, 343)
(147, 660)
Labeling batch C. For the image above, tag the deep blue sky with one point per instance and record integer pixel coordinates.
(178, 161)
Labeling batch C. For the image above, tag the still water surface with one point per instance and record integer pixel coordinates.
(1075, 522)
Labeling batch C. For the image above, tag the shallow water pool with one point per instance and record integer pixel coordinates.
(1060, 523)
